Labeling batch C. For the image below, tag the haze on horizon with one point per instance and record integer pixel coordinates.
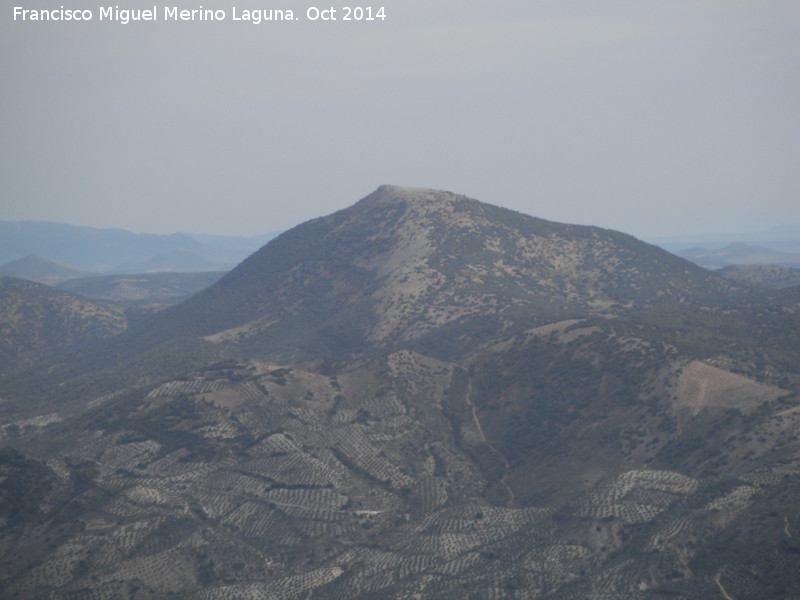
(659, 118)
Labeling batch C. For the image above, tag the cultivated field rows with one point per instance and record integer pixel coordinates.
(285, 470)
(195, 386)
(636, 496)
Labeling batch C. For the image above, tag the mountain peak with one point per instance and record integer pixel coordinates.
(403, 193)
(404, 262)
(420, 198)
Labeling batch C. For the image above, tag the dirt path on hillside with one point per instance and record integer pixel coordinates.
(482, 435)
(719, 584)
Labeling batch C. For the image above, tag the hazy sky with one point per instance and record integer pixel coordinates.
(656, 118)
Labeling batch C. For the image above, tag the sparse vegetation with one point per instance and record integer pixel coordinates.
(419, 397)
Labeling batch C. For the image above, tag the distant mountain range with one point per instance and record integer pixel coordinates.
(777, 246)
(419, 396)
(783, 238)
(739, 254)
(118, 251)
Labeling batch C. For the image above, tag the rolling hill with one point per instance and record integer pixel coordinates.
(144, 287)
(36, 268)
(766, 276)
(37, 321)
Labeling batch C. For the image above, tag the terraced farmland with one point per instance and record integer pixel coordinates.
(280, 483)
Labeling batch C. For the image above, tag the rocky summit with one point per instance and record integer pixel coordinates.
(421, 396)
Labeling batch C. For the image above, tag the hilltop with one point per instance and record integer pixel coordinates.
(37, 268)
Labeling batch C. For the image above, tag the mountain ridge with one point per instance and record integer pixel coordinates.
(102, 250)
